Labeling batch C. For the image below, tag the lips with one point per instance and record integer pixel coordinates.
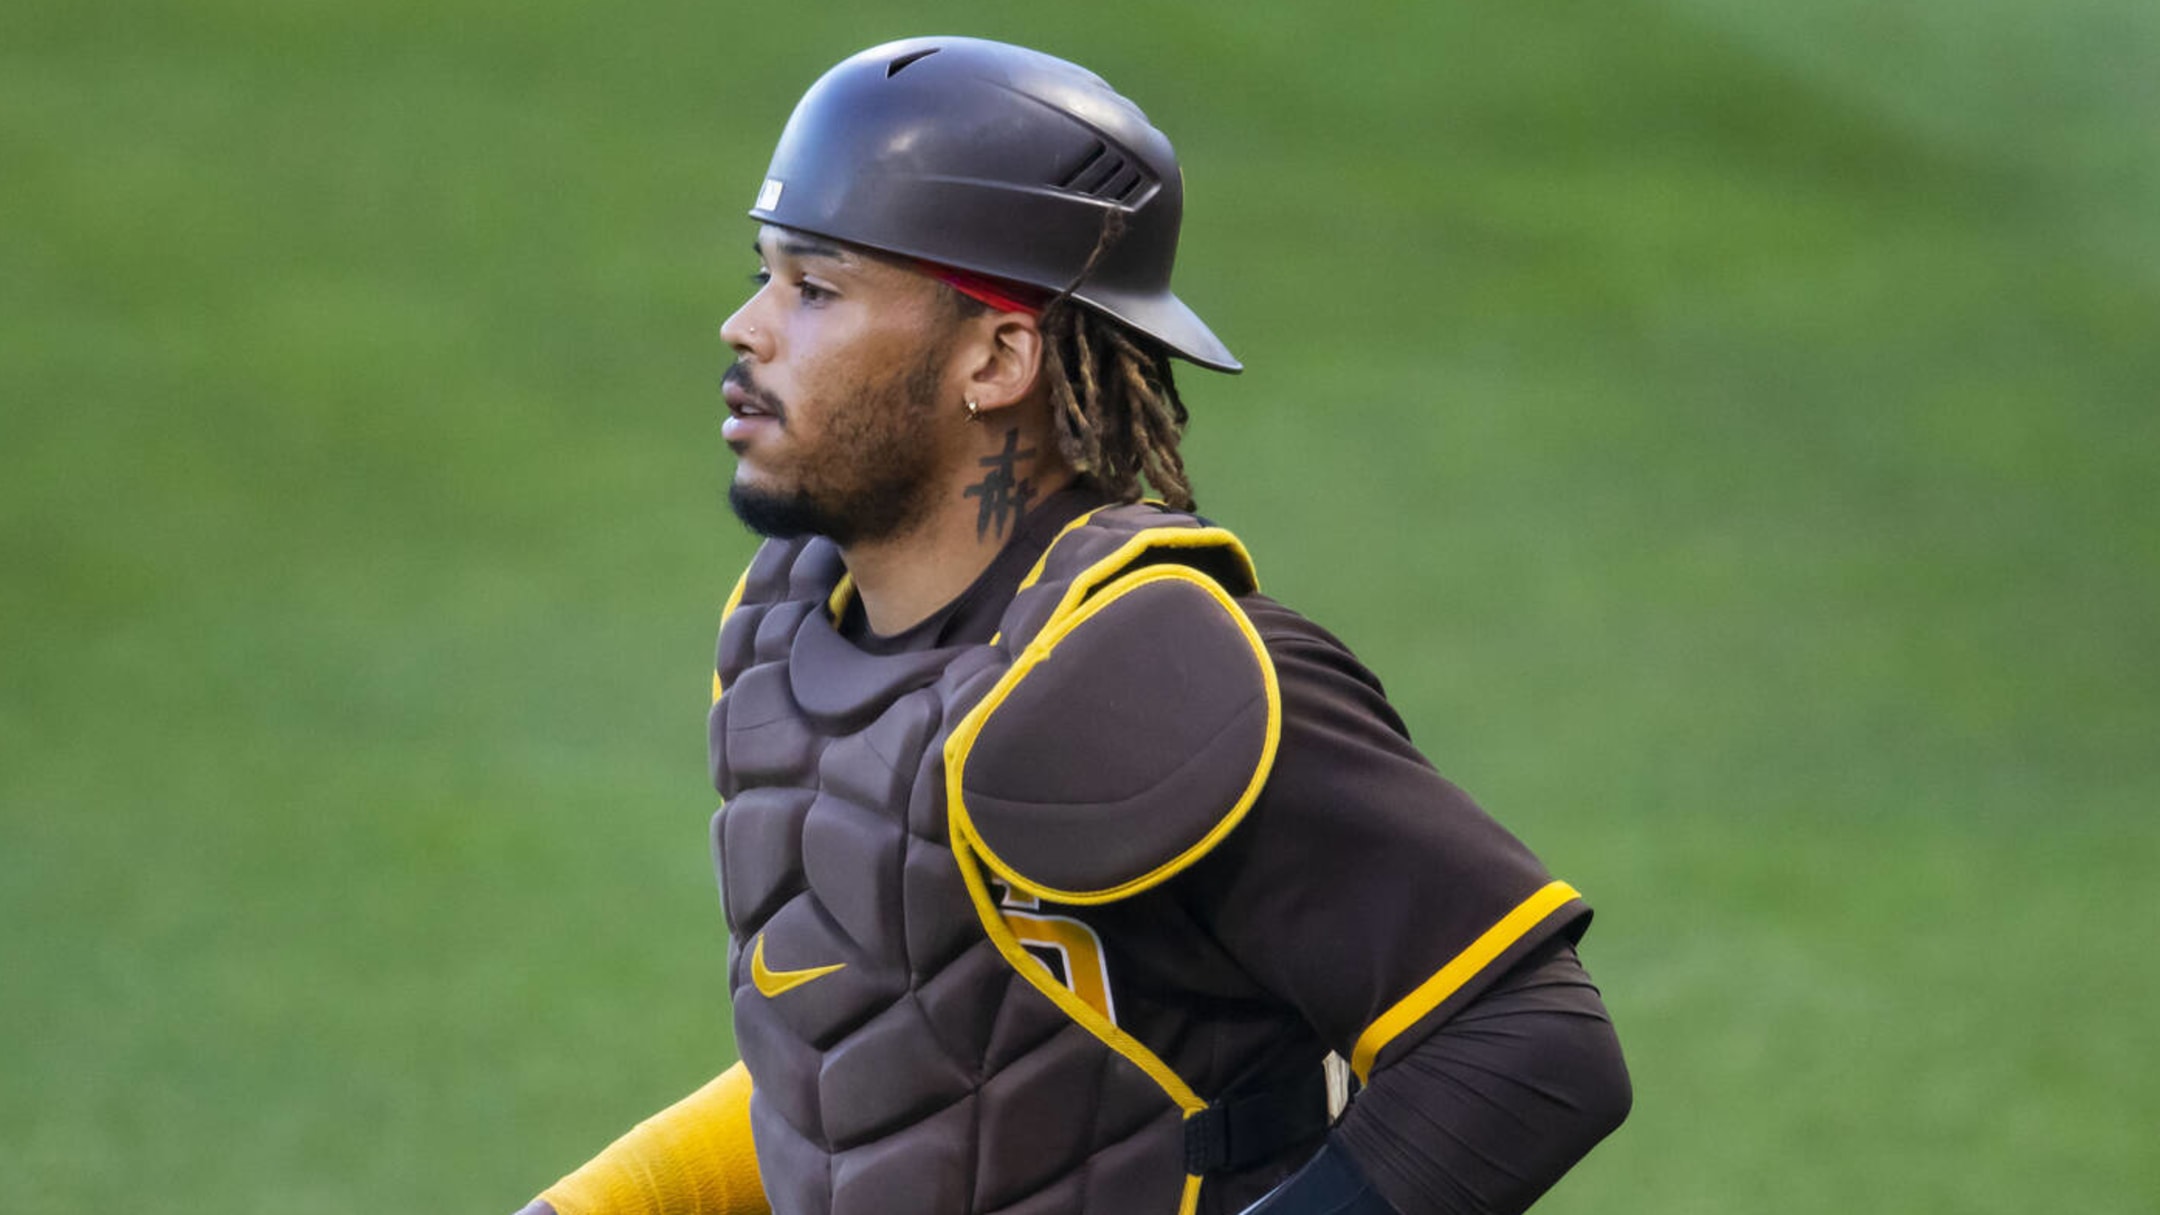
(745, 399)
(750, 408)
(743, 404)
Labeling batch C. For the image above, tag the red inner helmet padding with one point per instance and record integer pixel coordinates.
(998, 294)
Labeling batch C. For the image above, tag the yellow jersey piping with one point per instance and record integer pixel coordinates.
(1463, 967)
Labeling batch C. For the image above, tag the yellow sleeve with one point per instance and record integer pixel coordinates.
(692, 1158)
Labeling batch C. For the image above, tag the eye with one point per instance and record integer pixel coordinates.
(811, 293)
(760, 277)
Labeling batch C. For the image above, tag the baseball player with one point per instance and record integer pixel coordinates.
(1058, 861)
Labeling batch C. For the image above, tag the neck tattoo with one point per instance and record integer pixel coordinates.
(1004, 495)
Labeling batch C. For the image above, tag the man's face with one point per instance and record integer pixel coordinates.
(832, 398)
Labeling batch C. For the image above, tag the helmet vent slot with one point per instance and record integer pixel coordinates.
(1104, 173)
(893, 69)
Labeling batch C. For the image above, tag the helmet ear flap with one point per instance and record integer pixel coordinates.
(999, 161)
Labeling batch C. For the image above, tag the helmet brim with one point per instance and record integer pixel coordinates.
(1169, 321)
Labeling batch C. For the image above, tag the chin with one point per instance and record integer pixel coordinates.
(749, 479)
(779, 514)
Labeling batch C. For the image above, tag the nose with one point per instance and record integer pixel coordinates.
(741, 332)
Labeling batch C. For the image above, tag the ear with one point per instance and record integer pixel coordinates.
(1004, 361)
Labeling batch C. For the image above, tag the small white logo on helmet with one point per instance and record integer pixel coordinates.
(769, 196)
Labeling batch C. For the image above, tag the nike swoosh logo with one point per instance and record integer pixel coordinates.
(770, 982)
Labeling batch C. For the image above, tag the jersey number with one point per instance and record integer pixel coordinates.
(1069, 949)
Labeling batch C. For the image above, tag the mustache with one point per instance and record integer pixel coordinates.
(738, 375)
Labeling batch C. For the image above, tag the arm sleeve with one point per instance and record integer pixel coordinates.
(1484, 1114)
(692, 1158)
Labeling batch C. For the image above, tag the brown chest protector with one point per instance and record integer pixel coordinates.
(912, 1050)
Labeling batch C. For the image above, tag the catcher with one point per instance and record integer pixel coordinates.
(1064, 870)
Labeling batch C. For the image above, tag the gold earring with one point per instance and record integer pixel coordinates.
(974, 410)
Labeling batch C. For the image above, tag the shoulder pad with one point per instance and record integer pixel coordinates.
(1123, 744)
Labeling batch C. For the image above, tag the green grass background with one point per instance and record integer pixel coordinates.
(1730, 428)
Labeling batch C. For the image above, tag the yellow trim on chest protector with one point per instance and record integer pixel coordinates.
(1079, 604)
(734, 600)
(1039, 976)
(1063, 624)
(1129, 551)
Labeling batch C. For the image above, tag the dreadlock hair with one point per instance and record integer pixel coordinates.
(1119, 417)
(1116, 404)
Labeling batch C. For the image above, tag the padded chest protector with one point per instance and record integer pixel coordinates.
(909, 1054)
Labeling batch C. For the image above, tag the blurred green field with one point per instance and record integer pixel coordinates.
(1729, 428)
